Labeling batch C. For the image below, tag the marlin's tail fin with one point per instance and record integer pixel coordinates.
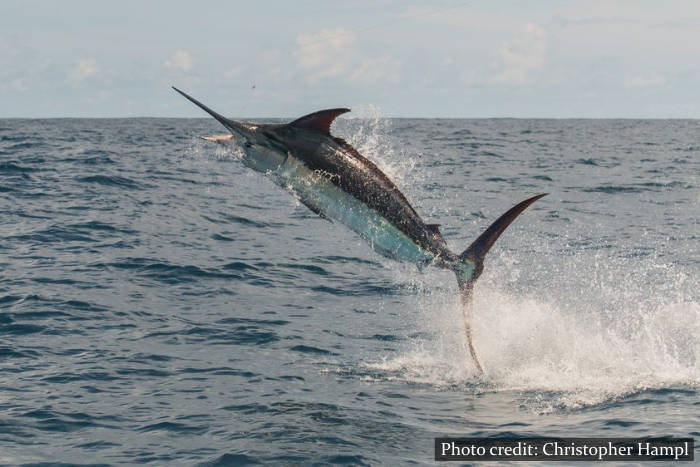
(471, 264)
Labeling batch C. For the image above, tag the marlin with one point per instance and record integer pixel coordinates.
(332, 179)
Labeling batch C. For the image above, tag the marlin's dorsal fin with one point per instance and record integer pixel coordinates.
(319, 121)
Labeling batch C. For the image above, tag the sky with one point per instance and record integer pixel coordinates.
(401, 58)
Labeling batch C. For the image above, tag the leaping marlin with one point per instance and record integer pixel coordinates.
(336, 182)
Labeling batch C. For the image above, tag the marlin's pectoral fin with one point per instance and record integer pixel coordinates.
(218, 138)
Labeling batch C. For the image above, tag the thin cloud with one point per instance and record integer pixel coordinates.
(180, 60)
(645, 81)
(372, 70)
(334, 53)
(18, 84)
(85, 68)
(326, 52)
(523, 55)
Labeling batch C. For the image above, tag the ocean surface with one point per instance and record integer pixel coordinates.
(162, 304)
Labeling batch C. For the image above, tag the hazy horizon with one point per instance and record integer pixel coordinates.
(408, 59)
(365, 117)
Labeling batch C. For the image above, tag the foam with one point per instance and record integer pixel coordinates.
(566, 324)
(563, 321)
(556, 354)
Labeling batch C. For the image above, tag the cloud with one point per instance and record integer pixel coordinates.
(372, 70)
(18, 84)
(334, 53)
(84, 68)
(525, 54)
(181, 60)
(326, 52)
(645, 81)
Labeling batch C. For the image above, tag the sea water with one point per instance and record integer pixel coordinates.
(160, 303)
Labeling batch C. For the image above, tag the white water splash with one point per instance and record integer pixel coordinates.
(564, 331)
(369, 133)
(557, 354)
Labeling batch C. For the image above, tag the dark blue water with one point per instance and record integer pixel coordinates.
(160, 303)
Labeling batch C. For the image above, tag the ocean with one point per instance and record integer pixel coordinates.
(162, 304)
